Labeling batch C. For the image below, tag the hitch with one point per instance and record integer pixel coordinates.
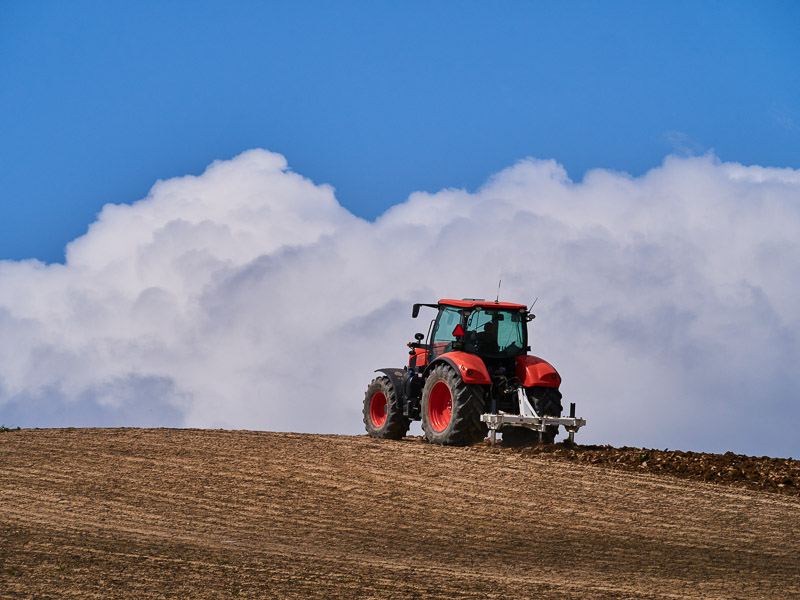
(528, 418)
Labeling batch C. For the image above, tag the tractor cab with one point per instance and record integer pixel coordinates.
(491, 330)
(493, 333)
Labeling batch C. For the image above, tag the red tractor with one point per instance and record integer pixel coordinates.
(470, 377)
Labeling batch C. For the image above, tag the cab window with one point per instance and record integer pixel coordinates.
(495, 333)
(443, 333)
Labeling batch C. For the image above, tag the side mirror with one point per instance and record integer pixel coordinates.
(415, 311)
(418, 337)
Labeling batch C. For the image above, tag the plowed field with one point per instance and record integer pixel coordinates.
(158, 513)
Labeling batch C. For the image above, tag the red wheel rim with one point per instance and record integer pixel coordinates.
(377, 409)
(440, 406)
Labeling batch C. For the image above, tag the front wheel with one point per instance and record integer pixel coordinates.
(452, 409)
(383, 415)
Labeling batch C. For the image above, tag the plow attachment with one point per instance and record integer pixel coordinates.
(528, 418)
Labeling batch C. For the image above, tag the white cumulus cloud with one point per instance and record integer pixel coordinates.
(247, 297)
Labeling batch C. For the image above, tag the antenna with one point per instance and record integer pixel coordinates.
(498, 285)
(534, 302)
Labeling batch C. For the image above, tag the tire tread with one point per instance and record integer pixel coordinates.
(466, 427)
(397, 424)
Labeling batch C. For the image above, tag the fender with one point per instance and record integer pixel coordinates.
(469, 366)
(532, 370)
(395, 375)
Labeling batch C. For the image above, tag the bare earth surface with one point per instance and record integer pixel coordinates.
(159, 513)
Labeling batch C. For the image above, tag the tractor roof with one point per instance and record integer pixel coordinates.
(483, 304)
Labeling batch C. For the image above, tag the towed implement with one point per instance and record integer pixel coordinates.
(471, 376)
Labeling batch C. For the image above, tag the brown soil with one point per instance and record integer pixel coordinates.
(781, 475)
(157, 513)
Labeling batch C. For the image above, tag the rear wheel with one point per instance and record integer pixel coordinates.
(383, 415)
(546, 402)
(452, 409)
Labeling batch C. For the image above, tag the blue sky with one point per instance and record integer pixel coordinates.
(98, 100)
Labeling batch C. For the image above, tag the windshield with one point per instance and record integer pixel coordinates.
(443, 337)
(497, 333)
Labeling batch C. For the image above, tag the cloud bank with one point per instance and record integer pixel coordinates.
(247, 297)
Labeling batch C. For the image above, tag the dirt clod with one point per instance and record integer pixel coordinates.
(781, 475)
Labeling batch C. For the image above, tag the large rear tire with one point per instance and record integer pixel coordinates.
(452, 409)
(546, 402)
(383, 415)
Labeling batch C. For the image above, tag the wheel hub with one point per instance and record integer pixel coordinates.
(377, 409)
(440, 406)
